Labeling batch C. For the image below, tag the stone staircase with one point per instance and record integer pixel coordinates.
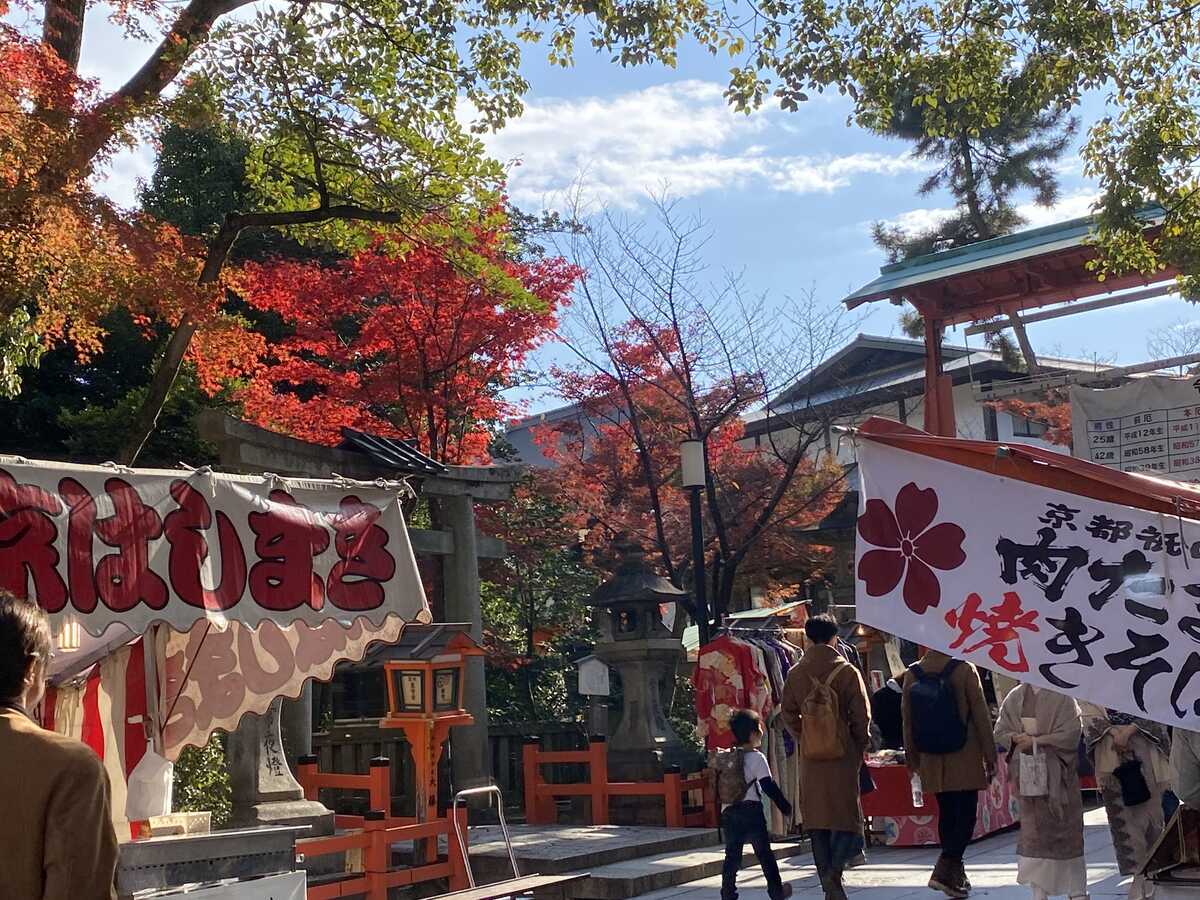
(621, 861)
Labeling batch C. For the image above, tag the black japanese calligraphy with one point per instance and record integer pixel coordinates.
(1051, 567)
(1142, 657)
(1075, 636)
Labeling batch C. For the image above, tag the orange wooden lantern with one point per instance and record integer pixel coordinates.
(425, 669)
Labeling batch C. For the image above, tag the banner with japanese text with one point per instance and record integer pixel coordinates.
(1096, 600)
(102, 545)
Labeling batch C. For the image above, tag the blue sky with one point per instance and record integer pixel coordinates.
(789, 196)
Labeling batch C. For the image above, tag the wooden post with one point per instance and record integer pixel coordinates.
(710, 798)
(598, 772)
(939, 388)
(673, 797)
(306, 774)
(376, 862)
(457, 855)
(380, 780)
(533, 777)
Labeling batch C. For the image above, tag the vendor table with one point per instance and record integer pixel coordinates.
(901, 824)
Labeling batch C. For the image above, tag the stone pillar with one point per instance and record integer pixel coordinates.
(264, 790)
(295, 723)
(469, 743)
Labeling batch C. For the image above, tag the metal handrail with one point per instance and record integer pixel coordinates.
(490, 790)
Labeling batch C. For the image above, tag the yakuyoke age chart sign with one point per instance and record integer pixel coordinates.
(1093, 599)
(1149, 425)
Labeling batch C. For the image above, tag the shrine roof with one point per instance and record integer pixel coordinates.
(1017, 271)
(399, 456)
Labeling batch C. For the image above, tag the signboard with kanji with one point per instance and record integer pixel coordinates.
(1149, 425)
(105, 545)
(1094, 599)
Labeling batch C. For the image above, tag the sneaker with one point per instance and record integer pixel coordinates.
(859, 860)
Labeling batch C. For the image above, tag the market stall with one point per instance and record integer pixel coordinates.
(183, 600)
(897, 822)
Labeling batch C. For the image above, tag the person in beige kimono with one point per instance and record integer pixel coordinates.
(829, 789)
(1050, 846)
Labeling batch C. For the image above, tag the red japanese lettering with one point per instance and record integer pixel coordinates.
(27, 536)
(189, 557)
(123, 579)
(1001, 626)
(356, 581)
(81, 530)
(287, 538)
(214, 669)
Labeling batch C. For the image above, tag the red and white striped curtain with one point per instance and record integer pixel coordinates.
(106, 709)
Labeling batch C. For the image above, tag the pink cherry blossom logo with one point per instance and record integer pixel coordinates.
(907, 547)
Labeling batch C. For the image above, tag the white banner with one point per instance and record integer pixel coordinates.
(105, 545)
(1092, 599)
(1149, 425)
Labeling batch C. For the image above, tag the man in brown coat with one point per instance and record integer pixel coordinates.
(57, 830)
(949, 693)
(829, 801)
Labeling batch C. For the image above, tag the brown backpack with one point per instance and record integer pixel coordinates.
(731, 775)
(821, 723)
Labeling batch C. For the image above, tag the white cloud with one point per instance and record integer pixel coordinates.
(683, 135)
(1069, 206)
(119, 180)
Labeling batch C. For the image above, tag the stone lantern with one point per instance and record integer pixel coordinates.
(638, 645)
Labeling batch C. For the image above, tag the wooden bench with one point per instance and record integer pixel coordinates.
(544, 885)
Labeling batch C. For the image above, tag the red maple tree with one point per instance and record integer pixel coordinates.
(1053, 410)
(415, 345)
(617, 469)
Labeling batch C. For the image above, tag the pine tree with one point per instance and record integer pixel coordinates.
(983, 168)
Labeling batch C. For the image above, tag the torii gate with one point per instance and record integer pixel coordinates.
(1002, 277)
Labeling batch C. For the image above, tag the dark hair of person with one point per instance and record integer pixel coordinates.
(24, 636)
(744, 724)
(821, 629)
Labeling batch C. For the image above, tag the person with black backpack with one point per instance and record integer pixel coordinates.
(948, 742)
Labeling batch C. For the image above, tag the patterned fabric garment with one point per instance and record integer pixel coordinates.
(726, 679)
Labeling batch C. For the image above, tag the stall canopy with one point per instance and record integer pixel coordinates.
(1049, 569)
(106, 546)
(182, 600)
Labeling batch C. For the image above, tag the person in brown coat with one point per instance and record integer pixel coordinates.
(57, 831)
(829, 799)
(956, 777)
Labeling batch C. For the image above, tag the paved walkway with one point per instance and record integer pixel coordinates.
(902, 874)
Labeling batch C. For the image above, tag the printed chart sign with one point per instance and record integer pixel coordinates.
(104, 545)
(1094, 599)
(1149, 425)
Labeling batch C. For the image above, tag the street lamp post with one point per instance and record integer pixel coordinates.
(694, 477)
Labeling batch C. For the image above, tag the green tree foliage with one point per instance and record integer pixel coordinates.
(964, 53)
(202, 781)
(535, 613)
(983, 168)
(80, 409)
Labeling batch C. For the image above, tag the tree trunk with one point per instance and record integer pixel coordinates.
(62, 29)
(159, 389)
(1031, 361)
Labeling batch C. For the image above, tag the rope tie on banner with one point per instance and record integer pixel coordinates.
(1184, 550)
(117, 467)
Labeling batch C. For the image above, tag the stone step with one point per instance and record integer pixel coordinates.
(558, 849)
(631, 878)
